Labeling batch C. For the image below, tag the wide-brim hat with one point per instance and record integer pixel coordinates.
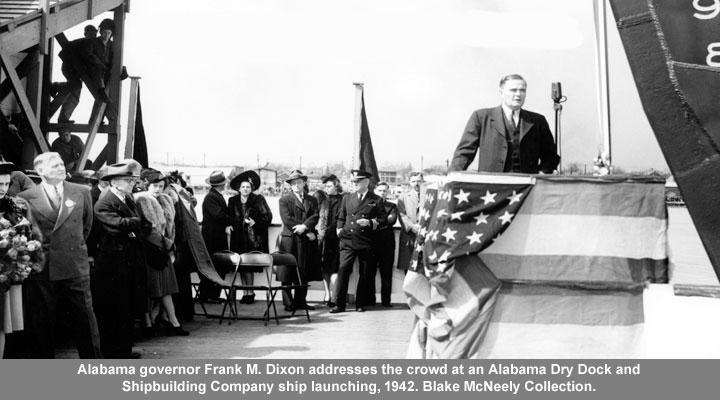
(120, 170)
(326, 178)
(358, 174)
(7, 167)
(246, 176)
(216, 178)
(297, 174)
(152, 175)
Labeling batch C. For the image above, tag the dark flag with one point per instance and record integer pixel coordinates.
(366, 156)
(140, 153)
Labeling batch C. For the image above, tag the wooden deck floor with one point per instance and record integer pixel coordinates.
(376, 333)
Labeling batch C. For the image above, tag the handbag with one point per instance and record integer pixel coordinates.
(157, 257)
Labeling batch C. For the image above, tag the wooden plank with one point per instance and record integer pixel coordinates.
(28, 34)
(43, 45)
(697, 290)
(100, 159)
(34, 81)
(98, 117)
(115, 92)
(47, 81)
(22, 70)
(130, 138)
(24, 102)
(80, 128)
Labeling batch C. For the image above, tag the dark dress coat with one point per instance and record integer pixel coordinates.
(120, 272)
(352, 209)
(216, 217)
(292, 213)
(485, 134)
(243, 237)
(327, 228)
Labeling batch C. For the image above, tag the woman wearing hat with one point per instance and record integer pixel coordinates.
(158, 209)
(329, 202)
(251, 218)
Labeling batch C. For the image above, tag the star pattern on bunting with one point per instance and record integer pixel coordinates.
(475, 237)
(515, 197)
(489, 197)
(481, 219)
(462, 197)
(505, 218)
(463, 218)
(449, 234)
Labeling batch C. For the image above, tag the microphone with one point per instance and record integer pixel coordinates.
(556, 92)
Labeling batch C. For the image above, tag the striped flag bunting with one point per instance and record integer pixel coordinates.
(564, 279)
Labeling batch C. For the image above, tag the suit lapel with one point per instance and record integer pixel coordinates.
(525, 124)
(498, 121)
(297, 202)
(40, 203)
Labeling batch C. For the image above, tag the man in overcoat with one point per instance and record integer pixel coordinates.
(216, 226)
(120, 263)
(63, 213)
(360, 215)
(299, 214)
(507, 138)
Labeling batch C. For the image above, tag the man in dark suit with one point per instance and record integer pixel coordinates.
(384, 249)
(63, 213)
(361, 213)
(120, 267)
(216, 226)
(299, 213)
(507, 138)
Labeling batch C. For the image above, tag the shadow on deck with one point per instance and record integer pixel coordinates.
(377, 333)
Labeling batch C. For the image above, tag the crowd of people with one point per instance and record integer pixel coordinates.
(112, 245)
(117, 247)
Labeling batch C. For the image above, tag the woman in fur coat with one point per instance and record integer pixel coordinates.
(158, 208)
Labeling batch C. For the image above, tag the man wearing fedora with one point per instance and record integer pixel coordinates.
(120, 267)
(63, 213)
(299, 214)
(360, 215)
(216, 225)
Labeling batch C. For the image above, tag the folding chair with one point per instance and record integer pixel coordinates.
(247, 262)
(283, 266)
(207, 269)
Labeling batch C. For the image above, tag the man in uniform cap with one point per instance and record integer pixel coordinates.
(361, 213)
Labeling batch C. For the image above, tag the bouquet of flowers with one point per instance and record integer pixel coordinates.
(20, 253)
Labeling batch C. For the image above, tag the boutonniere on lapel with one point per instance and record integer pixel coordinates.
(69, 203)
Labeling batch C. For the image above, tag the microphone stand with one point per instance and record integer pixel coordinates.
(557, 106)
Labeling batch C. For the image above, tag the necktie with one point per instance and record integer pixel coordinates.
(360, 196)
(512, 121)
(56, 199)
